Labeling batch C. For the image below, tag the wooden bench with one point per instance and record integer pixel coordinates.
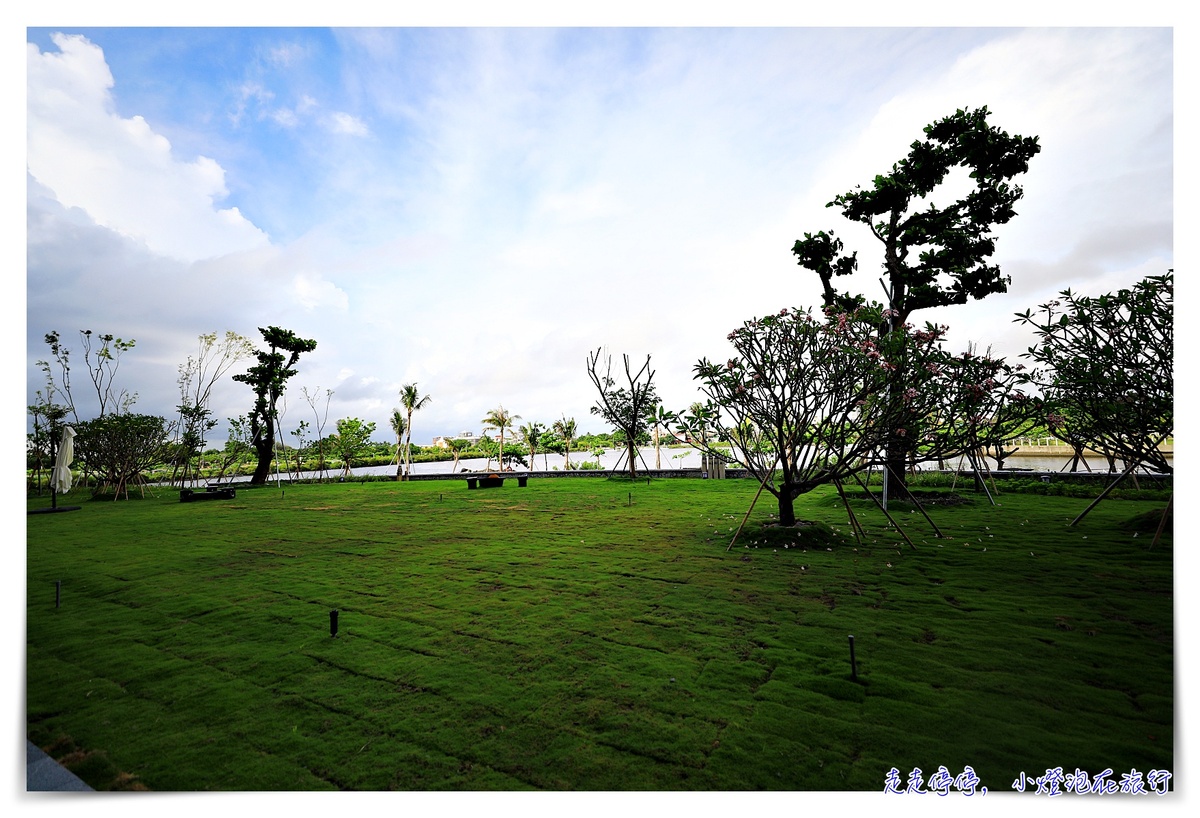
(493, 481)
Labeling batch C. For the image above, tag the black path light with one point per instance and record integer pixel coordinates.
(853, 664)
(333, 617)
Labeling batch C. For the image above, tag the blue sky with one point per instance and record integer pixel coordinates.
(475, 209)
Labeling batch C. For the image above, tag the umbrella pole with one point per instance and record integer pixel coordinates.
(53, 459)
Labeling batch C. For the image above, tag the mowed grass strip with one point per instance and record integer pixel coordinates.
(590, 634)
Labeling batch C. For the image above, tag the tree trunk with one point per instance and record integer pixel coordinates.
(787, 510)
(407, 445)
(263, 469)
(264, 447)
(630, 452)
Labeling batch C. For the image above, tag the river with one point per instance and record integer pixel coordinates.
(681, 458)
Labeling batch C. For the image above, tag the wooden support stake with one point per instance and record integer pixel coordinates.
(885, 514)
(1163, 522)
(855, 526)
(937, 531)
(758, 493)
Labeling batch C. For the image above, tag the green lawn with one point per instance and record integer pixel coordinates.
(589, 634)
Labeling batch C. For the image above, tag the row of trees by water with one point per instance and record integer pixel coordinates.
(809, 396)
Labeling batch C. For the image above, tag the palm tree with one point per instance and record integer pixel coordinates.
(413, 402)
(500, 419)
(565, 429)
(398, 426)
(532, 433)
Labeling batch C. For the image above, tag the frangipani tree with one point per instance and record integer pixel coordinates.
(805, 398)
(989, 407)
(120, 448)
(1106, 368)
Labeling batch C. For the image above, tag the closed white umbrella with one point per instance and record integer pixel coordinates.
(61, 478)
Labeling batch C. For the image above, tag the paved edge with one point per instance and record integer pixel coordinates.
(44, 774)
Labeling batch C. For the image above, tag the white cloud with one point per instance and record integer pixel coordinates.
(285, 117)
(119, 170)
(285, 56)
(313, 292)
(343, 123)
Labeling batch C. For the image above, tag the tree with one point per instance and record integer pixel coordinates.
(237, 446)
(992, 404)
(197, 377)
(531, 434)
(320, 418)
(62, 386)
(457, 445)
(549, 444)
(102, 365)
(268, 379)
(1107, 368)
(352, 440)
(804, 397)
(119, 447)
(490, 449)
(663, 418)
(565, 430)
(697, 423)
(398, 424)
(933, 256)
(301, 435)
(500, 419)
(628, 407)
(413, 401)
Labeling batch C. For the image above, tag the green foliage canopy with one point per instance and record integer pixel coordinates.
(1107, 368)
(933, 256)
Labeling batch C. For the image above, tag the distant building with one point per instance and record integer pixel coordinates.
(443, 441)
